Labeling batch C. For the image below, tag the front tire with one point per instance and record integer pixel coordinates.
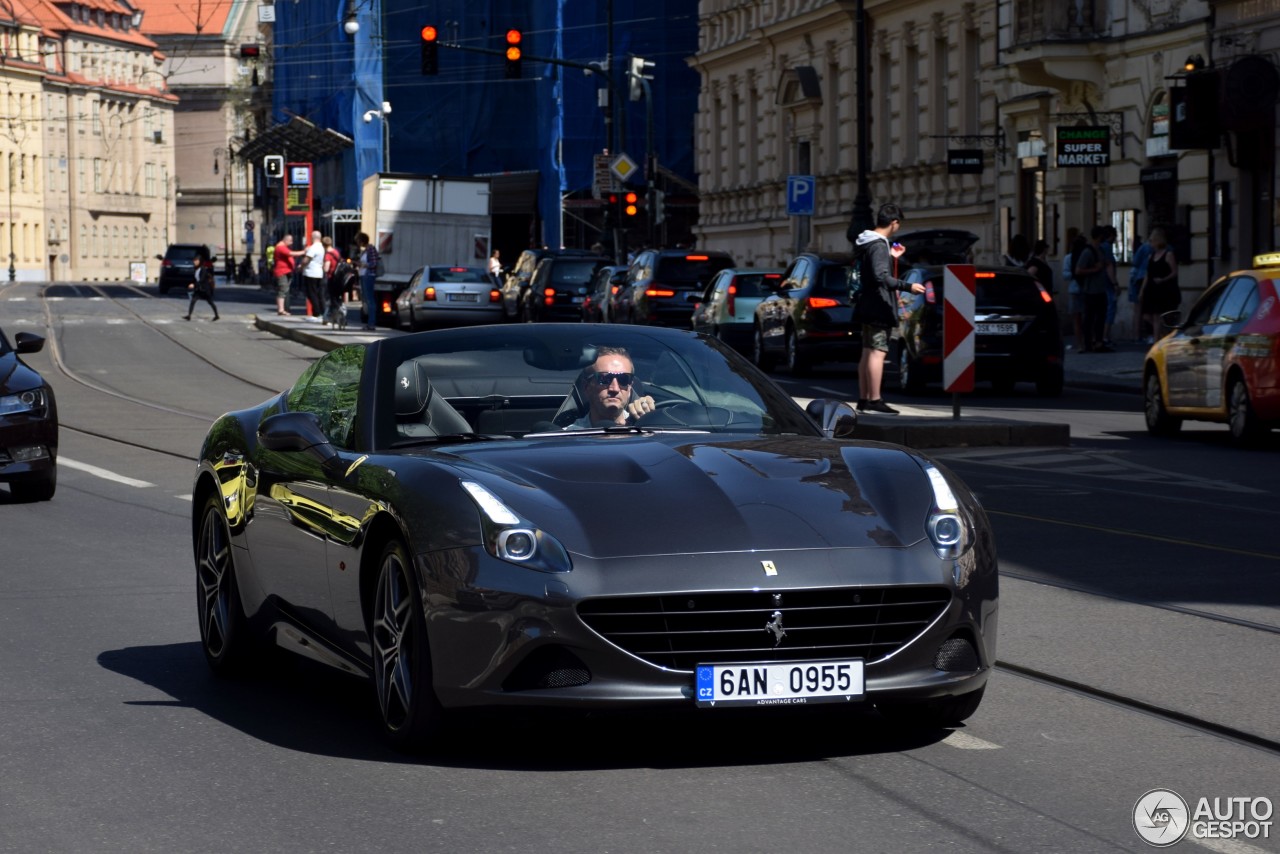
(35, 487)
(224, 629)
(401, 657)
(1159, 421)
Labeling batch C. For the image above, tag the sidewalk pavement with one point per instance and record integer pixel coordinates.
(916, 427)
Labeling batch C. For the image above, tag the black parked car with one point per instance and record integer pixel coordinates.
(809, 317)
(28, 423)
(597, 305)
(663, 285)
(559, 287)
(516, 284)
(1017, 336)
(178, 265)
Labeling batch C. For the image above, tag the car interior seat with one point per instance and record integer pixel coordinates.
(420, 411)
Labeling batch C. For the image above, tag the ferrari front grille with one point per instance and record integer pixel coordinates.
(681, 631)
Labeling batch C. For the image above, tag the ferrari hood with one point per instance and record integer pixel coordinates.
(613, 496)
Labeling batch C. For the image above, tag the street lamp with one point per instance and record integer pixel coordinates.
(382, 114)
(226, 153)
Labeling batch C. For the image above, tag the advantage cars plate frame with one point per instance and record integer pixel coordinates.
(779, 683)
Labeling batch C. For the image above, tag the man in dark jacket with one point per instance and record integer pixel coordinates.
(875, 308)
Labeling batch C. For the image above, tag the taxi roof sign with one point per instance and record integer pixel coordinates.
(1269, 259)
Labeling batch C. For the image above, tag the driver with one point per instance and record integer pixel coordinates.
(607, 388)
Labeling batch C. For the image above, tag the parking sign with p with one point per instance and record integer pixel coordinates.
(800, 193)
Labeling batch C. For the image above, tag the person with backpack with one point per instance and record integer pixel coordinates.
(367, 266)
(202, 287)
(874, 306)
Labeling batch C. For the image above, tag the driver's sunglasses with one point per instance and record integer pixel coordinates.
(624, 379)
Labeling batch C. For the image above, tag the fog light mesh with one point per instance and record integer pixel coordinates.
(956, 655)
(548, 667)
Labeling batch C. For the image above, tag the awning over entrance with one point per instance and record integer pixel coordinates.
(298, 140)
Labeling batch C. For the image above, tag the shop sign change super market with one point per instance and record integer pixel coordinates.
(1084, 146)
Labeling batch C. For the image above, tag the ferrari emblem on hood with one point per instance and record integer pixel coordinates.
(769, 568)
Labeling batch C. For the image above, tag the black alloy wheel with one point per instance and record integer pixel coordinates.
(224, 629)
(401, 658)
(908, 372)
(798, 363)
(1246, 428)
(761, 356)
(1159, 421)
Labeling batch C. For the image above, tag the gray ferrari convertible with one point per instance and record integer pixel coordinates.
(587, 517)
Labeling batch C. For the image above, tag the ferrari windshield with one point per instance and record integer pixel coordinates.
(537, 379)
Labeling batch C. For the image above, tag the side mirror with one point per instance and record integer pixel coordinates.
(159, 257)
(296, 431)
(1173, 319)
(28, 342)
(836, 418)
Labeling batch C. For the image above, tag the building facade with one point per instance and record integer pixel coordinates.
(974, 112)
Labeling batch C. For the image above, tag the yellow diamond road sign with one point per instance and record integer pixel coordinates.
(623, 166)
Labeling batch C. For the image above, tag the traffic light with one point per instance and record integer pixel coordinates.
(639, 69)
(630, 204)
(430, 51)
(513, 54)
(273, 165)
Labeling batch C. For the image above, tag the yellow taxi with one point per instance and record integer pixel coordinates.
(1222, 362)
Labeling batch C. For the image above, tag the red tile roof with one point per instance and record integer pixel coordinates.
(184, 17)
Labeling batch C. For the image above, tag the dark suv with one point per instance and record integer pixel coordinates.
(809, 317)
(1017, 337)
(559, 287)
(178, 266)
(663, 284)
(516, 284)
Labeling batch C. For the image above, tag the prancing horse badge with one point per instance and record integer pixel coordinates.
(769, 568)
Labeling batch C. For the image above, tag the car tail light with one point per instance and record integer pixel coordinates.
(429, 294)
(386, 306)
(457, 269)
(984, 275)
(733, 290)
(614, 289)
(1044, 295)
(696, 258)
(929, 295)
(495, 295)
(549, 300)
(822, 302)
(659, 292)
(548, 292)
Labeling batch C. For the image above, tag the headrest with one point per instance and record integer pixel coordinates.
(413, 389)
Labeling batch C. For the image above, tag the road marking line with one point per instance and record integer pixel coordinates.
(965, 741)
(102, 473)
(187, 497)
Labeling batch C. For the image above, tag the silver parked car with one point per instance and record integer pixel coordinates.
(727, 308)
(447, 296)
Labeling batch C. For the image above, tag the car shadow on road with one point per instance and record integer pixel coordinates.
(299, 705)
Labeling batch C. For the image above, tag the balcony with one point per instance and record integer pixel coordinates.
(1055, 43)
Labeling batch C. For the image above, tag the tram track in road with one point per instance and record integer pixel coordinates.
(55, 354)
(1183, 719)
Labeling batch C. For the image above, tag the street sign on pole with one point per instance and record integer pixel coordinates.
(800, 195)
(957, 329)
(623, 166)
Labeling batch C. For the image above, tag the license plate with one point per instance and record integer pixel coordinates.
(462, 297)
(575, 300)
(997, 329)
(779, 684)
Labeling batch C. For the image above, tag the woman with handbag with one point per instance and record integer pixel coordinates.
(202, 287)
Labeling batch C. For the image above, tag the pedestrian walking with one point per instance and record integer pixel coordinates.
(285, 263)
(1138, 275)
(1160, 293)
(495, 269)
(874, 307)
(367, 265)
(202, 286)
(334, 310)
(1107, 249)
(313, 279)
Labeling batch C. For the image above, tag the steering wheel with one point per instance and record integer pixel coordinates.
(669, 411)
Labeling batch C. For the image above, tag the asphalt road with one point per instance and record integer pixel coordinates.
(1138, 643)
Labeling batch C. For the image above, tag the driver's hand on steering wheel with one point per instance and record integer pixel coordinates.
(640, 406)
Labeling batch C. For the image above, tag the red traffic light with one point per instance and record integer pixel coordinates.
(513, 37)
(632, 198)
(429, 33)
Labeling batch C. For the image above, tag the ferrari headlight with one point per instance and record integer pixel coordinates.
(948, 525)
(34, 401)
(512, 539)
